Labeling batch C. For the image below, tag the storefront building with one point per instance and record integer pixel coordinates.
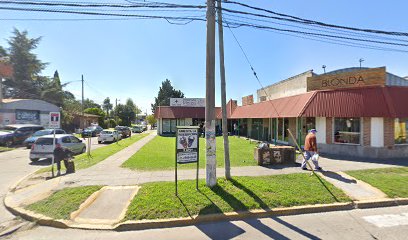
(359, 112)
(31, 111)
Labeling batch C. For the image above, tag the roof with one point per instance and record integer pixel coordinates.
(281, 107)
(374, 101)
(29, 104)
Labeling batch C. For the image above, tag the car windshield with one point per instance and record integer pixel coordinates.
(8, 129)
(45, 141)
(42, 133)
(106, 132)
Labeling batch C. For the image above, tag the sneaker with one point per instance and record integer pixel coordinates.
(319, 169)
(303, 168)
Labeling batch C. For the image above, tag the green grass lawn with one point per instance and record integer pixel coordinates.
(159, 154)
(158, 200)
(392, 181)
(82, 161)
(62, 203)
(5, 149)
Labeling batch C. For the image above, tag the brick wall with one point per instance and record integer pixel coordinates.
(389, 132)
(366, 131)
(329, 130)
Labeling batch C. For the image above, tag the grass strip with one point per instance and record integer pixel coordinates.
(159, 154)
(5, 149)
(82, 161)
(62, 203)
(391, 181)
(157, 200)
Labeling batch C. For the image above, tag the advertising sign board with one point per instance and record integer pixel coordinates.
(187, 102)
(187, 148)
(55, 119)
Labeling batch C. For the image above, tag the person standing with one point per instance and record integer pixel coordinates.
(235, 129)
(310, 150)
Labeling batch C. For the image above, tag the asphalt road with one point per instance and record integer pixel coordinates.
(16, 164)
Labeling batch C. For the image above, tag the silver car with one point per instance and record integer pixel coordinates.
(42, 147)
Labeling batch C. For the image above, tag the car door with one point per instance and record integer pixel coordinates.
(66, 142)
(76, 144)
(21, 134)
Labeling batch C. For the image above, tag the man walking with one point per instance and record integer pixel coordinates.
(310, 150)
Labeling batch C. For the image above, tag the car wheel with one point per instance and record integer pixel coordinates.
(34, 159)
(83, 150)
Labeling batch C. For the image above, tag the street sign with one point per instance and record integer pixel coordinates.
(187, 148)
(55, 119)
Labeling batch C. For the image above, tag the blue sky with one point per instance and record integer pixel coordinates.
(131, 58)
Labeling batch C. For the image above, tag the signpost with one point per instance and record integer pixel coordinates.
(55, 119)
(187, 148)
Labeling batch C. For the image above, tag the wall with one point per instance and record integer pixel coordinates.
(364, 151)
(292, 86)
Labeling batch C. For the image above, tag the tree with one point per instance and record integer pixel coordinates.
(151, 119)
(166, 91)
(89, 103)
(107, 105)
(54, 93)
(26, 81)
(3, 52)
(99, 112)
(127, 112)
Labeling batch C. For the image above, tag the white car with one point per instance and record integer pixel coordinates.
(42, 147)
(109, 136)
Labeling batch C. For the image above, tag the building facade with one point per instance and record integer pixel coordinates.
(31, 111)
(359, 112)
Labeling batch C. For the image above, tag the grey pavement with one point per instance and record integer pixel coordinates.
(361, 224)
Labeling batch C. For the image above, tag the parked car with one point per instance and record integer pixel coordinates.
(29, 141)
(17, 133)
(137, 129)
(109, 136)
(125, 131)
(42, 147)
(91, 131)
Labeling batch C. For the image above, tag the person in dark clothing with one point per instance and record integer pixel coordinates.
(61, 154)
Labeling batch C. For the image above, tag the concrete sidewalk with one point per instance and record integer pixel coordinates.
(109, 173)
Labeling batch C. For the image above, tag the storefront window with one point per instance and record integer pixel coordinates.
(280, 128)
(307, 124)
(347, 130)
(400, 130)
(169, 125)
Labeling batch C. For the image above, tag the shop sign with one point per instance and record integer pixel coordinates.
(360, 78)
(55, 118)
(187, 102)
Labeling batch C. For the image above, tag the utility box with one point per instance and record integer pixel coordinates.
(275, 155)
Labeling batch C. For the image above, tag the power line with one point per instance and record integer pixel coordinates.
(313, 22)
(252, 68)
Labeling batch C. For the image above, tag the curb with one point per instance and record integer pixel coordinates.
(177, 222)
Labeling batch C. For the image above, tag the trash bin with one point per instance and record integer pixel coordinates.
(283, 154)
(274, 155)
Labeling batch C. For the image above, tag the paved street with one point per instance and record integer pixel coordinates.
(353, 224)
(15, 165)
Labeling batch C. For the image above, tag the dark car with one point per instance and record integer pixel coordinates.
(91, 131)
(29, 141)
(125, 131)
(17, 133)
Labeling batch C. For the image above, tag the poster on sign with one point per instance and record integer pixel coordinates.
(55, 119)
(187, 148)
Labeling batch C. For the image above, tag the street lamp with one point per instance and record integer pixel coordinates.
(361, 60)
(324, 68)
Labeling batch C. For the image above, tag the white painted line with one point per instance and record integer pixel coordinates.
(388, 220)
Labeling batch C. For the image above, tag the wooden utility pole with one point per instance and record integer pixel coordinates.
(223, 94)
(211, 177)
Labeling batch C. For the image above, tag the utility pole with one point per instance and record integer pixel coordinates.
(223, 93)
(361, 60)
(82, 81)
(211, 177)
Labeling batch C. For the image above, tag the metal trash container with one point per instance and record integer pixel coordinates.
(283, 154)
(262, 156)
